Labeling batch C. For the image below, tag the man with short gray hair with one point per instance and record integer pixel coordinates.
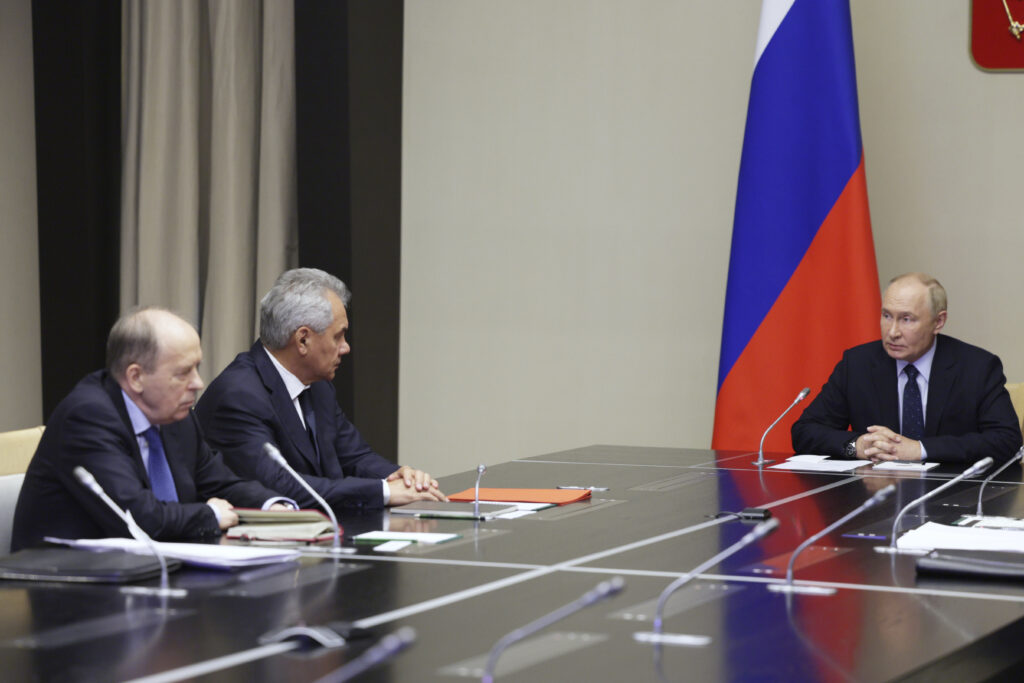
(131, 426)
(280, 391)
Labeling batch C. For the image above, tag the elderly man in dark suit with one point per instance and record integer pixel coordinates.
(279, 391)
(915, 394)
(132, 428)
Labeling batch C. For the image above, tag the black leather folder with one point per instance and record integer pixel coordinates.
(976, 563)
(55, 563)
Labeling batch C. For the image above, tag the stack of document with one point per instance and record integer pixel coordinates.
(932, 535)
(818, 463)
(196, 554)
(899, 465)
(281, 525)
(990, 522)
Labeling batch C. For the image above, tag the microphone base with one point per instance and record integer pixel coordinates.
(675, 639)
(308, 636)
(889, 550)
(760, 462)
(800, 590)
(159, 592)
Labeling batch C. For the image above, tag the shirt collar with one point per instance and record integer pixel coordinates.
(140, 422)
(292, 383)
(923, 364)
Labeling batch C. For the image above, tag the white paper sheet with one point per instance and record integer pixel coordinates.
(196, 554)
(905, 466)
(411, 536)
(824, 465)
(932, 535)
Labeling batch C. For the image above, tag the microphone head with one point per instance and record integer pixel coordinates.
(481, 468)
(611, 587)
(603, 591)
(765, 528)
(83, 475)
(803, 393)
(273, 453)
(399, 640)
(883, 494)
(979, 467)
(760, 531)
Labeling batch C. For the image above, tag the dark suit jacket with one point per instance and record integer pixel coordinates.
(248, 405)
(91, 428)
(969, 414)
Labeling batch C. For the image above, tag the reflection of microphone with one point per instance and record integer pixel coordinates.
(275, 455)
(601, 591)
(480, 469)
(760, 450)
(867, 504)
(758, 532)
(976, 468)
(388, 646)
(83, 475)
(1016, 456)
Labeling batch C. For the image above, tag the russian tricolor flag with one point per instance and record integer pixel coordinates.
(803, 284)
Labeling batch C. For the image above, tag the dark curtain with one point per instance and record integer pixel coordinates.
(77, 72)
(348, 89)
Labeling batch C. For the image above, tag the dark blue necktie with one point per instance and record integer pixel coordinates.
(306, 403)
(913, 413)
(159, 471)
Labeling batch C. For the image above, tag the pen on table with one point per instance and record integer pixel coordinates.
(583, 488)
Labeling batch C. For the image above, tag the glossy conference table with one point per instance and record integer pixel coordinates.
(654, 524)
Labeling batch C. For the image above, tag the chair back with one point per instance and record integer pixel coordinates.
(16, 450)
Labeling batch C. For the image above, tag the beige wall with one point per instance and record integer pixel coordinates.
(569, 175)
(945, 163)
(20, 373)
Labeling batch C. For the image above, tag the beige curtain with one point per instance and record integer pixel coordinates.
(208, 190)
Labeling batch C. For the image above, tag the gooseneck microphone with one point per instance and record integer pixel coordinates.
(760, 450)
(976, 468)
(271, 451)
(758, 532)
(85, 477)
(388, 646)
(788, 587)
(480, 469)
(1016, 457)
(601, 591)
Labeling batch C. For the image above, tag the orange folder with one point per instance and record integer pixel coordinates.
(555, 496)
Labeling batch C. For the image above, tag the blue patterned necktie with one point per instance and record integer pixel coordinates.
(913, 413)
(159, 471)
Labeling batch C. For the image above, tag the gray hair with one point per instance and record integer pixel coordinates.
(132, 339)
(299, 297)
(936, 292)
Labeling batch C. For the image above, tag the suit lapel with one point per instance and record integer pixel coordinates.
(883, 377)
(283, 406)
(113, 390)
(940, 383)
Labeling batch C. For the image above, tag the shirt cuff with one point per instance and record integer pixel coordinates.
(280, 499)
(924, 452)
(216, 512)
(387, 491)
